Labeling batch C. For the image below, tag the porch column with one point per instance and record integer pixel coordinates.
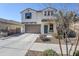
(42, 28)
(22, 28)
(54, 27)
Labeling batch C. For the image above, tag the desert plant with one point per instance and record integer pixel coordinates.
(76, 53)
(50, 52)
(44, 38)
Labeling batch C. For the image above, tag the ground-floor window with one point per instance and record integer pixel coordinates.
(51, 28)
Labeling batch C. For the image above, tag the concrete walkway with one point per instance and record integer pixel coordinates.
(55, 47)
(17, 45)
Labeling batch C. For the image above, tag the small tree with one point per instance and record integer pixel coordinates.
(64, 21)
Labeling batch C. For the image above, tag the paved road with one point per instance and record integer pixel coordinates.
(17, 45)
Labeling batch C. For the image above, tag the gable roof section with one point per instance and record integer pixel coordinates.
(50, 8)
(39, 10)
(27, 9)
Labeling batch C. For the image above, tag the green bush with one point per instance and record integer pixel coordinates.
(76, 53)
(50, 52)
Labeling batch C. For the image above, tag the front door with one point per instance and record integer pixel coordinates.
(45, 28)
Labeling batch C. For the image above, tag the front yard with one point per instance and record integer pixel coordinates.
(40, 46)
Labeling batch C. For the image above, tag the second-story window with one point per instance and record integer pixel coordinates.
(51, 13)
(28, 15)
(48, 13)
(45, 13)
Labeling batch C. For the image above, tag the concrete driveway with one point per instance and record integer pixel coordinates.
(17, 45)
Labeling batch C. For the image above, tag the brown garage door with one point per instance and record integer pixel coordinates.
(32, 28)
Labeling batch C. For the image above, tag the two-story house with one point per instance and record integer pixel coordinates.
(42, 21)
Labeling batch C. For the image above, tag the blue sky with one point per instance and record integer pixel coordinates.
(12, 11)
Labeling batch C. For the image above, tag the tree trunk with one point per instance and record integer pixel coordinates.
(76, 46)
(66, 42)
(60, 47)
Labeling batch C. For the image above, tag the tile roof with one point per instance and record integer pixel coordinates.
(9, 21)
(38, 10)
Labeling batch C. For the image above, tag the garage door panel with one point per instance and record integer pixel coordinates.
(33, 29)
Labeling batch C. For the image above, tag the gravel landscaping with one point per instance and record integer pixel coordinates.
(34, 53)
(54, 40)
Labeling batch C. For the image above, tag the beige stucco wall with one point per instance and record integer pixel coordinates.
(11, 26)
(37, 16)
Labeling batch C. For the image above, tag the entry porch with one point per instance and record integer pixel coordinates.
(48, 26)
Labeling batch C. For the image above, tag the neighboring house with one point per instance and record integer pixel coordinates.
(10, 26)
(42, 21)
(75, 27)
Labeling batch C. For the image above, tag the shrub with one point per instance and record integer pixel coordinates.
(77, 53)
(44, 38)
(50, 52)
